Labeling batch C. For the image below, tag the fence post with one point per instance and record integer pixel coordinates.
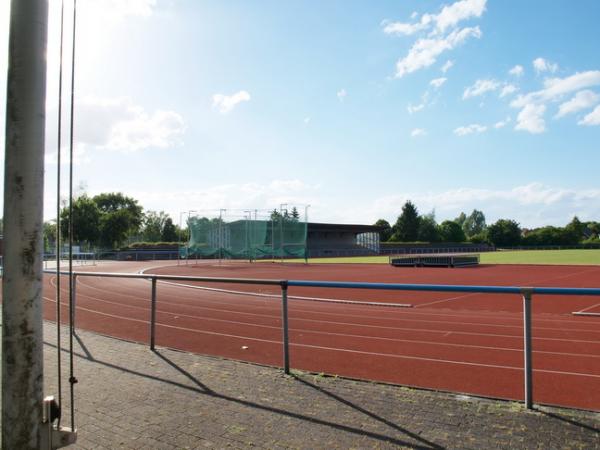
(528, 368)
(153, 315)
(284, 316)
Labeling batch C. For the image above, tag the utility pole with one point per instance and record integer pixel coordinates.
(22, 339)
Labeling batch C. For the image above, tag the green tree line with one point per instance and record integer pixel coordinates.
(109, 220)
(410, 226)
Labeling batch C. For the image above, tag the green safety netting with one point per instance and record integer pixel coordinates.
(245, 239)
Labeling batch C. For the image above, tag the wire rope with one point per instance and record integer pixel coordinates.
(72, 379)
(58, 242)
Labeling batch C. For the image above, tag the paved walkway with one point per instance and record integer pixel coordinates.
(130, 397)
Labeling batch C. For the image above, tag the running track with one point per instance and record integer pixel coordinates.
(466, 343)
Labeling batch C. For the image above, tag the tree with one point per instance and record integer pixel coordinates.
(474, 223)
(275, 215)
(114, 228)
(153, 226)
(386, 232)
(49, 232)
(121, 217)
(594, 228)
(575, 228)
(428, 228)
(461, 219)
(450, 231)
(169, 231)
(86, 221)
(504, 233)
(295, 214)
(406, 228)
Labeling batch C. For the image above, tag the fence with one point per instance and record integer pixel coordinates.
(526, 293)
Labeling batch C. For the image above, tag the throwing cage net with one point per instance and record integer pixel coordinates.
(252, 236)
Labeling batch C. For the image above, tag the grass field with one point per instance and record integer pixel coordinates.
(565, 257)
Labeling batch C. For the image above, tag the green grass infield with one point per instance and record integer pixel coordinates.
(559, 257)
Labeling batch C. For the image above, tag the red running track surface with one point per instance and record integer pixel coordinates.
(459, 342)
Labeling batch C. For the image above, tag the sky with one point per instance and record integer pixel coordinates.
(351, 107)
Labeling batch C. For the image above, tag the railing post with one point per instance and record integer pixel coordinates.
(284, 317)
(528, 368)
(153, 315)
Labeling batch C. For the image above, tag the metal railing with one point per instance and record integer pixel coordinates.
(526, 293)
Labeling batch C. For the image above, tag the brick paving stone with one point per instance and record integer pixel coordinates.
(132, 398)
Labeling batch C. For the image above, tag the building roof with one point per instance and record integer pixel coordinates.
(342, 228)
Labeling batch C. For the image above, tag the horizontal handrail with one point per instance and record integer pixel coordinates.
(446, 288)
(542, 290)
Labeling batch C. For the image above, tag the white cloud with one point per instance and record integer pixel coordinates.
(508, 89)
(592, 118)
(451, 15)
(406, 28)
(532, 204)
(438, 82)
(470, 129)
(413, 109)
(80, 156)
(448, 17)
(119, 124)
(160, 129)
(414, 15)
(418, 132)
(424, 102)
(555, 88)
(582, 100)
(425, 51)
(542, 65)
(226, 103)
(480, 87)
(341, 94)
(531, 119)
(517, 71)
(447, 65)
(306, 120)
(502, 123)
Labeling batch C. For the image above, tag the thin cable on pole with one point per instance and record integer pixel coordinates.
(72, 379)
(58, 338)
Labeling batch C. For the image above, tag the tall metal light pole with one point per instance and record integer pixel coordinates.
(22, 339)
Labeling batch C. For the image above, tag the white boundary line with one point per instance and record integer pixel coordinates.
(295, 297)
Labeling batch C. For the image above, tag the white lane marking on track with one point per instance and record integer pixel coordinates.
(389, 327)
(420, 305)
(587, 309)
(295, 297)
(417, 358)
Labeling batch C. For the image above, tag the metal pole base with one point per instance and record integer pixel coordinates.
(54, 436)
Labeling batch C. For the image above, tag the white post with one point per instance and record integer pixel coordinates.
(22, 339)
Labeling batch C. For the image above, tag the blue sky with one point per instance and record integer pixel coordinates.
(351, 107)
